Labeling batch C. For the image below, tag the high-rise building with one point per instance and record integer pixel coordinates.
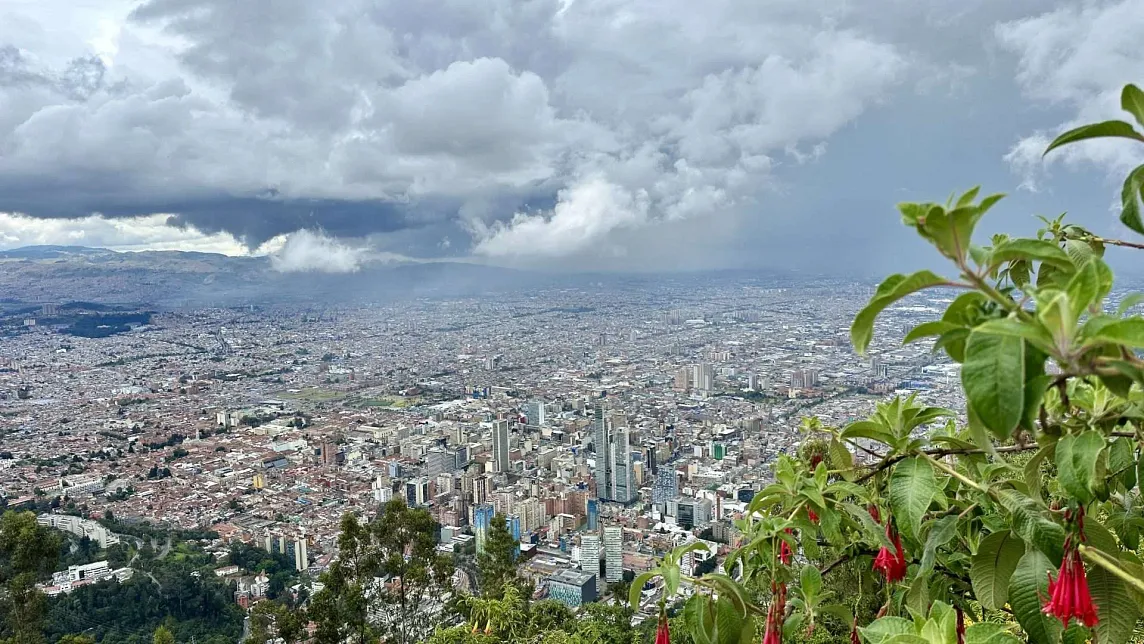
(593, 514)
(666, 486)
(692, 513)
(590, 553)
(437, 462)
(500, 446)
(613, 554)
(482, 518)
(535, 413)
(615, 478)
(703, 377)
(753, 382)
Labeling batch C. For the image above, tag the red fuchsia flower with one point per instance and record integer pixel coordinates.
(784, 550)
(812, 515)
(1068, 594)
(854, 639)
(815, 459)
(662, 636)
(874, 513)
(892, 564)
(776, 615)
(960, 626)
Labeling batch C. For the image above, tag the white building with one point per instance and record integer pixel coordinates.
(80, 527)
(613, 554)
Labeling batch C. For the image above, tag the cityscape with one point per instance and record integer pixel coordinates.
(571, 322)
(607, 424)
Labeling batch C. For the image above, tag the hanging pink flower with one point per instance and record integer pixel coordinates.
(1068, 593)
(892, 564)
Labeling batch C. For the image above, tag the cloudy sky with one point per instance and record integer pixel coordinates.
(564, 134)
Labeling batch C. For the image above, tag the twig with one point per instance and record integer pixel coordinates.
(1117, 242)
(938, 453)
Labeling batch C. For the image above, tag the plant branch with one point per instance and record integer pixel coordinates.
(1099, 558)
(952, 451)
(1117, 242)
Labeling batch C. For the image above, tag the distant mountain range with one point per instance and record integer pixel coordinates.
(178, 278)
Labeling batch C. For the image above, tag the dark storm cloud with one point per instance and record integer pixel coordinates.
(658, 133)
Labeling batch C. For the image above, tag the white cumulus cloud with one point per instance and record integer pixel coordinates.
(308, 251)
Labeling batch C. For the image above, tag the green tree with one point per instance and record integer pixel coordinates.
(271, 620)
(1023, 524)
(28, 552)
(497, 561)
(399, 548)
(163, 635)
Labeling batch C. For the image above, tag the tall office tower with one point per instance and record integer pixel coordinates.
(613, 554)
(603, 448)
(703, 377)
(624, 486)
(482, 489)
(615, 476)
(437, 462)
(534, 412)
(593, 515)
(590, 553)
(482, 518)
(651, 459)
(753, 382)
(500, 445)
(666, 486)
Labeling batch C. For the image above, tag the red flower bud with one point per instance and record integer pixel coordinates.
(815, 459)
(661, 633)
(854, 639)
(784, 550)
(874, 513)
(810, 514)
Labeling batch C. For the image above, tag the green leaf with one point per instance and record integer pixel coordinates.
(993, 565)
(1030, 522)
(1130, 200)
(918, 597)
(1030, 582)
(989, 633)
(1114, 606)
(637, 586)
(810, 580)
(891, 290)
(1118, 129)
(1031, 331)
(993, 376)
(881, 630)
(670, 578)
(1076, 463)
(1128, 302)
(1084, 288)
(1033, 468)
(868, 429)
(873, 532)
(941, 532)
(1132, 101)
(841, 458)
(1033, 249)
(911, 490)
(928, 329)
(1122, 462)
